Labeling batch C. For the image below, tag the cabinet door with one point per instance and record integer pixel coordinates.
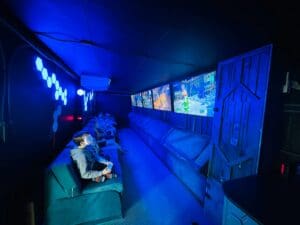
(233, 215)
(242, 84)
(214, 197)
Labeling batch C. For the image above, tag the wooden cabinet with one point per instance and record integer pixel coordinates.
(214, 197)
(233, 215)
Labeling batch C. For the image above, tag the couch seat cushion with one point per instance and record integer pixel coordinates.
(187, 144)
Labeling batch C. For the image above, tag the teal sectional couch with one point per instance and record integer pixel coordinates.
(185, 153)
(71, 200)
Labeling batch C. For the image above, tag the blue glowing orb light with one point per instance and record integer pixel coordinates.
(53, 78)
(44, 74)
(80, 92)
(60, 91)
(57, 85)
(39, 64)
(63, 97)
(56, 95)
(49, 82)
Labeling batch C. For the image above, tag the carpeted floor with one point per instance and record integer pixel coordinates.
(152, 194)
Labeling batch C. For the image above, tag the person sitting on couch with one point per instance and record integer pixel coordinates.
(89, 163)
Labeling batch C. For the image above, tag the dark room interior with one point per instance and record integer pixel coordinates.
(195, 103)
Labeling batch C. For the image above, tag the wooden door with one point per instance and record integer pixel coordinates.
(242, 86)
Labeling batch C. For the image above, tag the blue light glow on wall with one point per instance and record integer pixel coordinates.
(49, 82)
(57, 85)
(80, 92)
(56, 95)
(52, 81)
(60, 91)
(91, 96)
(87, 96)
(44, 74)
(39, 64)
(53, 77)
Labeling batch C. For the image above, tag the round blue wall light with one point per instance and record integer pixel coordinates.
(45, 74)
(39, 64)
(57, 85)
(65, 92)
(53, 77)
(60, 91)
(80, 92)
(49, 82)
(56, 95)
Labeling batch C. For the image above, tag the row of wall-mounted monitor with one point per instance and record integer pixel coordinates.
(194, 96)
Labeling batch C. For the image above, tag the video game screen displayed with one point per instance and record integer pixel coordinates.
(195, 96)
(138, 100)
(162, 98)
(133, 102)
(147, 99)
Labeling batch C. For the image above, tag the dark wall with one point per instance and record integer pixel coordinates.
(117, 105)
(273, 120)
(280, 142)
(28, 142)
(290, 148)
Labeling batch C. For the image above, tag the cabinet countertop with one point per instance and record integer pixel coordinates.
(267, 199)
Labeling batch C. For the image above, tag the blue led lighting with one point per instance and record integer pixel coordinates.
(56, 95)
(49, 82)
(60, 91)
(39, 64)
(53, 78)
(45, 74)
(52, 81)
(80, 92)
(91, 96)
(63, 97)
(57, 85)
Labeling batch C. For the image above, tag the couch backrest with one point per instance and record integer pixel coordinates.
(187, 144)
(65, 173)
(181, 142)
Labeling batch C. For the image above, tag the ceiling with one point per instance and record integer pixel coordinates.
(141, 45)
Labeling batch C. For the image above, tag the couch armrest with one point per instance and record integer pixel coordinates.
(114, 184)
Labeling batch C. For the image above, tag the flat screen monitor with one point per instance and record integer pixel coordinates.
(133, 102)
(162, 98)
(138, 100)
(195, 96)
(147, 99)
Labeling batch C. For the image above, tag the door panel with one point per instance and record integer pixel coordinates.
(240, 104)
(242, 84)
